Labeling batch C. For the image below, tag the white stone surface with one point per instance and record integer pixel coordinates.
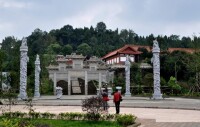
(127, 71)
(156, 71)
(37, 77)
(119, 89)
(23, 69)
(59, 92)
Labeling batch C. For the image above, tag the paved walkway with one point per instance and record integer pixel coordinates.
(133, 102)
(171, 112)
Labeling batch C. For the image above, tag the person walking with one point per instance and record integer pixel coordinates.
(105, 99)
(116, 99)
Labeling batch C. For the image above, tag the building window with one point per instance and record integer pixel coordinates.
(122, 59)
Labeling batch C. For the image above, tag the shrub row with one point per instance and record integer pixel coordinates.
(122, 119)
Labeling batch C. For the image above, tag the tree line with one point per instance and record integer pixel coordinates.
(96, 41)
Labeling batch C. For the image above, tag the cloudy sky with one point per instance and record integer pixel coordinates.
(161, 17)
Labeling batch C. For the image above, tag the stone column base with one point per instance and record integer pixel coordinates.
(157, 96)
(37, 95)
(22, 97)
(127, 94)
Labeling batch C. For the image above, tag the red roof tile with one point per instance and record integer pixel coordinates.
(122, 50)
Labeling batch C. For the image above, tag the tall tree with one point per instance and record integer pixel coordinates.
(101, 27)
(84, 49)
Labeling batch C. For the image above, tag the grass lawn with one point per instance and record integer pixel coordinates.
(65, 123)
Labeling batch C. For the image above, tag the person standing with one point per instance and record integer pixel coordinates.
(105, 99)
(116, 99)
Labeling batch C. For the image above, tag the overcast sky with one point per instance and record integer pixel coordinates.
(19, 18)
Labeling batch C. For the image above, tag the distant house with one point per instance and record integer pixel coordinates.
(117, 58)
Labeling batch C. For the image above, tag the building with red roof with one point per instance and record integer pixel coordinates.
(118, 57)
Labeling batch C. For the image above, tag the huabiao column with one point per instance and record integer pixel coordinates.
(127, 71)
(23, 69)
(156, 70)
(37, 77)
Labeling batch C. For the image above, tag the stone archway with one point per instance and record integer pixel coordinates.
(78, 86)
(64, 85)
(92, 87)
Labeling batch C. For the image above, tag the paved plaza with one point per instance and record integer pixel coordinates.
(170, 112)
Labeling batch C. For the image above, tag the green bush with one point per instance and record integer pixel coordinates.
(92, 116)
(93, 105)
(125, 120)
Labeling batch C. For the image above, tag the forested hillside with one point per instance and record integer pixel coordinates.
(96, 40)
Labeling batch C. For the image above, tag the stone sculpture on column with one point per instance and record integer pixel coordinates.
(37, 77)
(59, 92)
(156, 70)
(23, 69)
(127, 71)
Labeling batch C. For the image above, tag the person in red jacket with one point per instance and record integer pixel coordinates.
(105, 99)
(116, 99)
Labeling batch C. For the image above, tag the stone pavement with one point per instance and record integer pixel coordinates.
(133, 102)
(171, 112)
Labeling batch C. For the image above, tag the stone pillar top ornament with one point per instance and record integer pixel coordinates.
(24, 46)
(37, 61)
(155, 46)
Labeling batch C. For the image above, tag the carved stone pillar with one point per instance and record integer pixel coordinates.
(100, 80)
(156, 70)
(86, 83)
(69, 83)
(23, 69)
(127, 71)
(37, 77)
(54, 83)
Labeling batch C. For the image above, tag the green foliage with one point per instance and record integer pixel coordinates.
(148, 80)
(136, 76)
(163, 81)
(93, 105)
(41, 119)
(84, 49)
(101, 27)
(54, 123)
(10, 122)
(12, 99)
(46, 86)
(67, 49)
(125, 120)
(93, 41)
(173, 84)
